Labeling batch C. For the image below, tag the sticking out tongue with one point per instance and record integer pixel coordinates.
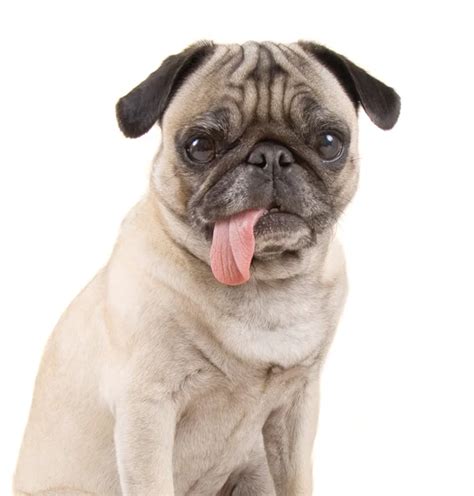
(233, 245)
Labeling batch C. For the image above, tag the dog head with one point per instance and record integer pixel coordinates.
(259, 147)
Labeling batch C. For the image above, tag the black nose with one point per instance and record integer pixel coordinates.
(268, 154)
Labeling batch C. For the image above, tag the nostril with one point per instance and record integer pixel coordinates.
(285, 158)
(257, 158)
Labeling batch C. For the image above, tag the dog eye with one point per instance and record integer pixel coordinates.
(201, 149)
(329, 147)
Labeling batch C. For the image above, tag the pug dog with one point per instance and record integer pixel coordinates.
(190, 364)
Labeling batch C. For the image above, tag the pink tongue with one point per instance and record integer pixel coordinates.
(233, 245)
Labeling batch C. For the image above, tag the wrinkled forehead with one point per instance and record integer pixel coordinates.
(260, 82)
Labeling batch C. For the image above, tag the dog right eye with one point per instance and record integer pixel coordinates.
(201, 150)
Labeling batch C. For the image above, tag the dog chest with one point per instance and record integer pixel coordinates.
(221, 426)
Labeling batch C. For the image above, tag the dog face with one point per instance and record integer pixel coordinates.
(259, 145)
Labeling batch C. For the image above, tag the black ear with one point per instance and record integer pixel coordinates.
(144, 105)
(381, 103)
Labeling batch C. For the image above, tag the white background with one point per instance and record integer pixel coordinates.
(397, 397)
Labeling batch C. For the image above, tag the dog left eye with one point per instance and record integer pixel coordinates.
(329, 147)
(201, 149)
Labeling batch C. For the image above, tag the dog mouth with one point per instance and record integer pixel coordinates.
(275, 220)
(274, 210)
(260, 233)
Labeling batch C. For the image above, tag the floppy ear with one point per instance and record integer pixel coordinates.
(144, 105)
(380, 102)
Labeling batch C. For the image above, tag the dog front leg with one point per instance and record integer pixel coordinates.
(288, 436)
(144, 437)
